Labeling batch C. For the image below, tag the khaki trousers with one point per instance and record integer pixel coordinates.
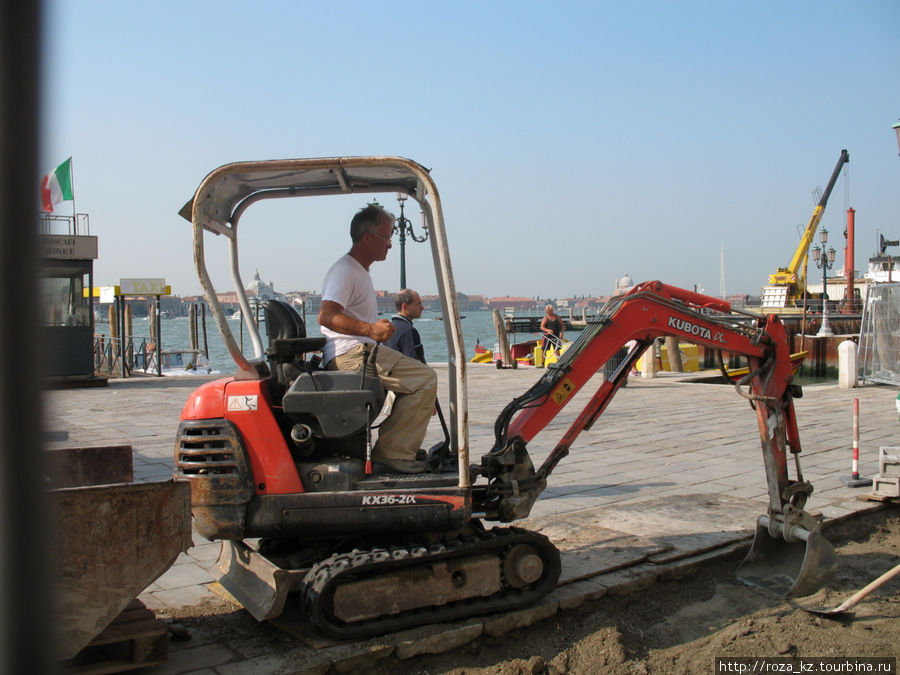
(400, 436)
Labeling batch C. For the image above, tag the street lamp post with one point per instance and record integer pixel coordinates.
(404, 228)
(824, 260)
(896, 128)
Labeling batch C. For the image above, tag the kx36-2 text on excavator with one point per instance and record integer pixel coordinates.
(276, 454)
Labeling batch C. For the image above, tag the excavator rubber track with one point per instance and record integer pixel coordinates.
(370, 592)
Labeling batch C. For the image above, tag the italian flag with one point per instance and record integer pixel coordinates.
(56, 186)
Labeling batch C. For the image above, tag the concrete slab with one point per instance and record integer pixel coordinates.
(588, 550)
(660, 529)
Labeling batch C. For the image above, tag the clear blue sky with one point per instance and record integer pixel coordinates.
(571, 142)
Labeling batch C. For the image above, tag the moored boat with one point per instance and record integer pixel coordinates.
(736, 374)
(174, 362)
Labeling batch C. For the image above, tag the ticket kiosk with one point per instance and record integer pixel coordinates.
(66, 271)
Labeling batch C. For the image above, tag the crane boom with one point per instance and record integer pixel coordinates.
(789, 274)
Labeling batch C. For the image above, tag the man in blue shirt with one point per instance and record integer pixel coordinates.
(407, 341)
(406, 338)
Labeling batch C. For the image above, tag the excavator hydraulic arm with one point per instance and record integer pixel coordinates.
(635, 320)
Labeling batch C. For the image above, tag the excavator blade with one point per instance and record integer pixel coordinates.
(259, 585)
(790, 569)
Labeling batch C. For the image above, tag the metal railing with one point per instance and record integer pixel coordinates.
(120, 357)
(53, 223)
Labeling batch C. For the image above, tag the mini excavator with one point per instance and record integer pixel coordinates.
(277, 453)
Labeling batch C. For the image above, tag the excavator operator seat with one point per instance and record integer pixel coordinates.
(282, 320)
(334, 403)
(288, 343)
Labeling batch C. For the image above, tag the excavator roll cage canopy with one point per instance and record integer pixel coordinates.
(228, 191)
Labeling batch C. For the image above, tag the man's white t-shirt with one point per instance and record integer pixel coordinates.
(348, 284)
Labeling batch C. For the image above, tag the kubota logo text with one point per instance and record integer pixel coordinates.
(696, 330)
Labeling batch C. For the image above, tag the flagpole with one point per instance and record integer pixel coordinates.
(72, 179)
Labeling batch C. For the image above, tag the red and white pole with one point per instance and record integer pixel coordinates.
(853, 480)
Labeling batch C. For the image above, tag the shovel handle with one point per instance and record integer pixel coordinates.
(860, 594)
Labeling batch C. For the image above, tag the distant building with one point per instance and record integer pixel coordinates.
(623, 284)
(469, 302)
(228, 300)
(263, 290)
(510, 302)
(739, 300)
(309, 300)
(385, 300)
(466, 303)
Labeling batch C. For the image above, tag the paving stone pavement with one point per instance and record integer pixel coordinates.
(659, 438)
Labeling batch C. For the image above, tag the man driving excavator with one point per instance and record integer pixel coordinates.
(349, 320)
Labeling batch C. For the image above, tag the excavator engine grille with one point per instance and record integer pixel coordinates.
(211, 454)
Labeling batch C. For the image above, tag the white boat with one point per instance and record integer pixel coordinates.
(883, 267)
(237, 315)
(174, 362)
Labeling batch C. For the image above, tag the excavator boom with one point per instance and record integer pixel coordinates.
(649, 311)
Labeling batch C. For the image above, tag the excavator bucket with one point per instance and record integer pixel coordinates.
(790, 569)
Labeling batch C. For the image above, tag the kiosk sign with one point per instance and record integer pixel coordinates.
(143, 287)
(68, 247)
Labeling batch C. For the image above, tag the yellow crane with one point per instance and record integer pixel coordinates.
(788, 284)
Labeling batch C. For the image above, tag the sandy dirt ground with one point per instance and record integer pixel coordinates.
(672, 627)
(682, 627)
